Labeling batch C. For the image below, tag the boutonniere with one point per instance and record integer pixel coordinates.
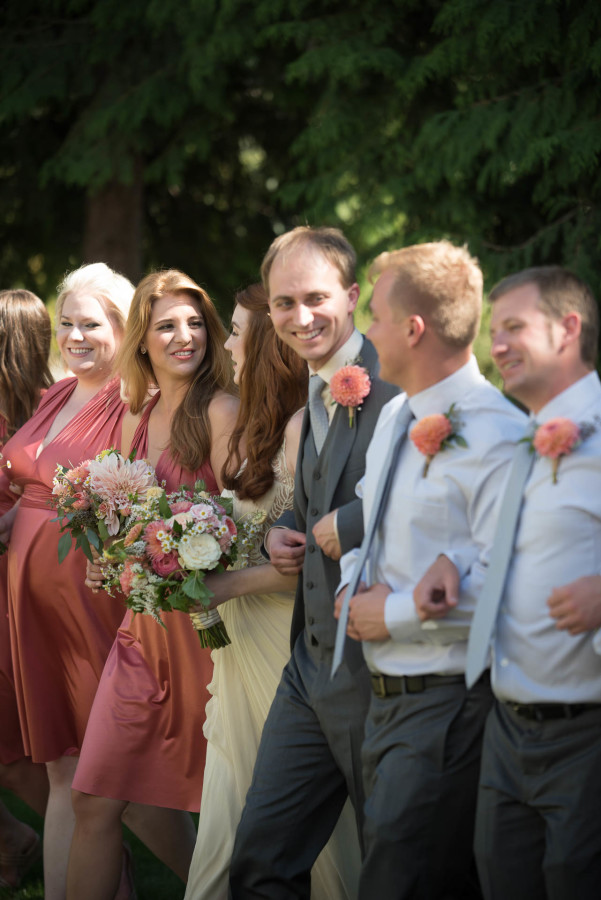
(349, 387)
(435, 433)
(557, 438)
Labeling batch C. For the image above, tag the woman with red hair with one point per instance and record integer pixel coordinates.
(255, 602)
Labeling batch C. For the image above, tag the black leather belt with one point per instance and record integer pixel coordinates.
(385, 685)
(541, 712)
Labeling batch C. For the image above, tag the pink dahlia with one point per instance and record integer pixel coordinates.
(429, 434)
(118, 480)
(554, 439)
(349, 387)
(557, 437)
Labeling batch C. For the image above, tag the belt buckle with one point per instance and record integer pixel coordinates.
(379, 685)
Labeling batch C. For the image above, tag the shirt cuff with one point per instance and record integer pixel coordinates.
(400, 616)
(335, 526)
(347, 567)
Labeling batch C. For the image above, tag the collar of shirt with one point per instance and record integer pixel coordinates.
(343, 357)
(574, 403)
(439, 397)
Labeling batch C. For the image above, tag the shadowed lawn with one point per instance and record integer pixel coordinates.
(153, 880)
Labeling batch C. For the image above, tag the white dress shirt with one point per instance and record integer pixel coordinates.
(450, 511)
(558, 540)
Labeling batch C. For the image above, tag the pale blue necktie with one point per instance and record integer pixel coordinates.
(379, 505)
(487, 608)
(317, 411)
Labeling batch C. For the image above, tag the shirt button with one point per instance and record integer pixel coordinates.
(504, 662)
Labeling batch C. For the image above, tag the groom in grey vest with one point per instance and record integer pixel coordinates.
(309, 757)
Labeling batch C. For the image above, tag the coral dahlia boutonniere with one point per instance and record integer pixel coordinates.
(556, 438)
(435, 433)
(349, 387)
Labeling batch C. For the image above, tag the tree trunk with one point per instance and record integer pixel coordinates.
(113, 227)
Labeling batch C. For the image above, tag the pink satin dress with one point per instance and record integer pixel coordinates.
(144, 741)
(11, 743)
(60, 631)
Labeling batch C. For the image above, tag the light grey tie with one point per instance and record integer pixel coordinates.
(317, 411)
(379, 505)
(487, 608)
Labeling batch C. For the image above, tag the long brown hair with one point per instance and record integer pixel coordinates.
(273, 386)
(25, 334)
(190, 439)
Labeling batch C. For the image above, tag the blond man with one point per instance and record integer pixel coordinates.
(455, 435)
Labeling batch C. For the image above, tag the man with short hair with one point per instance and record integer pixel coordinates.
(309, 757)
(423, 733)
(538, 831)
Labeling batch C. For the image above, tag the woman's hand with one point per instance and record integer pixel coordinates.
(94, 573)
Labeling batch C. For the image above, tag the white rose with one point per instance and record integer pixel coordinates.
(199, 551)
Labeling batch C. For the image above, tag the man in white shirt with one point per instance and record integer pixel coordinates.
(538, 832)
(422, 749)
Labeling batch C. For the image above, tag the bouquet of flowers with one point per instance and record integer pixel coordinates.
(168, 544)
(94, 499)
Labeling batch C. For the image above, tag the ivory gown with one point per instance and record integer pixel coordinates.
(60, 631)
(245, 677)
(144, 741)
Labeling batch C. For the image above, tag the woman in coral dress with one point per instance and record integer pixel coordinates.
(256, 603)
(25, 333)
(144, 740)
(60, 633)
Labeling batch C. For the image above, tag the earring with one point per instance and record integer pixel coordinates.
(142, 349)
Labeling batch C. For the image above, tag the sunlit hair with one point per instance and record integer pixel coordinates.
(330, 242)
(273, 385)
(190, 439)
(439, 282)
(560, 293)
(25, 334)
(97, 280)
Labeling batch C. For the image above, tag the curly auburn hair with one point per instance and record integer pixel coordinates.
(273, 386)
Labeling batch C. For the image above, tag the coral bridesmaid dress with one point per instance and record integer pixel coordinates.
(11, 743)
(144, 741)
(60, 631)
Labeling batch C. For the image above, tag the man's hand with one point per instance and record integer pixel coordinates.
(576, 607)
(286, 549)
(437, 592)
(325, 536)
(366, 613)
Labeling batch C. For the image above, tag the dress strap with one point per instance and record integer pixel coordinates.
(140, 438)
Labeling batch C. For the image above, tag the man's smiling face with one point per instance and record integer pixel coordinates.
(526, 345)
(310, 309)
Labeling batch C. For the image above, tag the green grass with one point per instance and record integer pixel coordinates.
(153, 880)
